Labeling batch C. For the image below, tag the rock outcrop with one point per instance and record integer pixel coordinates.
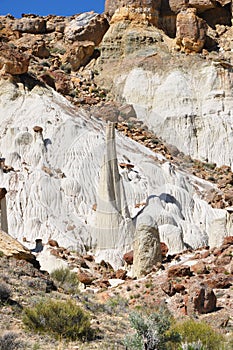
(10, 247)
(147, 250)
(190, 31)
(87, 26)
(12, 61)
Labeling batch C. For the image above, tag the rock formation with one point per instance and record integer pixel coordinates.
(3, 210)
(12, 61)
(85, 27)
(147, 251)
(10, 247)
(112, 225)
(190, 31)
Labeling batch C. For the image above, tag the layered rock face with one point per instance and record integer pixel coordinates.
(146, 10)
(182, 98)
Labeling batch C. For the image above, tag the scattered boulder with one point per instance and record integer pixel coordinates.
(168, 288)
(40, 50)
(12, 61)
(201, 299)
(12, 248)
(88, 26)
(190, 31)
(53, 243)
(228, 240)
(179, 271)
(79, 54)
(85, 278)
(128, 257)
(164, 249)
(121, 274)
(220, 281)
(199, 268)
(38, 129)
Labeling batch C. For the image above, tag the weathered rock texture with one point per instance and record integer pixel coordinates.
(30, 25)
(190, 31)
(12, 61)
(87, 26)
(112, 214)
(12, 248)
(79, 54)
(146, 10)
(147, 251)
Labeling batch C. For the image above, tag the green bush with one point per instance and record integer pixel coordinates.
(66, 279)
(151, 331)
(59, 318)
(192, 331)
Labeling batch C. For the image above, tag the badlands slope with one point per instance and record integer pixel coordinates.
(52, 189)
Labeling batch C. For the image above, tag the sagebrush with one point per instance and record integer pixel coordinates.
(63, 319)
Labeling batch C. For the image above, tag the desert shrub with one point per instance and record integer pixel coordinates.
(5, 292)
(151, 331)
(9, 341)
(192, 331)
(59, 318)
(66, 279)
(1, 254)
(116, 304)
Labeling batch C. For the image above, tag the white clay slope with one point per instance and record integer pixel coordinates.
(190, 107)
(53, 191)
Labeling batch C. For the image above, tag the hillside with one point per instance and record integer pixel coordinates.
(116, 136)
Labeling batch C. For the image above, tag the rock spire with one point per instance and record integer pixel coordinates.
(112, 214)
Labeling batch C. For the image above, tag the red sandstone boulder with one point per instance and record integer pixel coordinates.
(85, 278)
(199, 268)
(190, 31)
(220, 281)
(168, 288)
(12, 61)
(179, 271)
(164, 249)
(52, 242)
(128, 257)
(228, 240)
(201, 299)
(121, 274)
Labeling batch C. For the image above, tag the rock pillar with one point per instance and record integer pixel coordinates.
(147, 250)
(3, 210)
(113, 225)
